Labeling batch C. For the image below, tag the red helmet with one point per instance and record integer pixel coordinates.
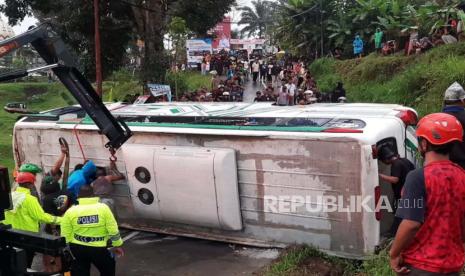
(440, 129)
(25, 177)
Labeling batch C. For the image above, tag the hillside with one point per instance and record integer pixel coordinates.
(418, 81)
(38, 96)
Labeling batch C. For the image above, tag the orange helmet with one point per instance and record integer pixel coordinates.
(25, 177)
(440, 129)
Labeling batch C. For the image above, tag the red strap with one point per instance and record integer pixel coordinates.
(79, 140)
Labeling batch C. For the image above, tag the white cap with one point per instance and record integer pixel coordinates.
(309, 92)
(455, 92)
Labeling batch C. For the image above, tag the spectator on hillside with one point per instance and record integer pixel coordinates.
(378, 40)
(338, 92)
(447, 37)
(337, 53)
(358, 46)
(413, 41)
(437, 38)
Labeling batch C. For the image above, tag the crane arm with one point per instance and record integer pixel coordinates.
(53, 51)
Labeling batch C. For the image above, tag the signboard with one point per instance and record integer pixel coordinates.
(158, 90)
(197, 49)
(142, 99)
(222, 33)
(257, 41)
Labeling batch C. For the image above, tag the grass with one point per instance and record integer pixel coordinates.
(187, 81)
(301, 260)
(306, 260)
(416, 81)
(38, 96)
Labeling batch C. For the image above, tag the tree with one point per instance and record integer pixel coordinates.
(178, 33)
(73, 21)
(314, 27)
(257, 18)
(201, 16)
(149, 18)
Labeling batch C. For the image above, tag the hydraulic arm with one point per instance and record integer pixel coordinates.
(54, 52)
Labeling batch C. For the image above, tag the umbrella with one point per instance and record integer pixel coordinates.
(280, 54)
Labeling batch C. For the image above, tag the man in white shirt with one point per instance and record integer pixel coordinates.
(291, 87)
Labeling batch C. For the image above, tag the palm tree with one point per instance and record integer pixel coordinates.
(257, 18)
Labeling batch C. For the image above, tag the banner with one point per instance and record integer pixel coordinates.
(222, 32)
(197, 49)
(255, 41)
(158, 90)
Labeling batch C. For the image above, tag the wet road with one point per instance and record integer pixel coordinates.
(153, 254)
(250, 90)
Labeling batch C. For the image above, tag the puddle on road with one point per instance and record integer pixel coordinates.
(151, 238)
(256, 253)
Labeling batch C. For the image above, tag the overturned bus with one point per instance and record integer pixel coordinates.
(253, 174)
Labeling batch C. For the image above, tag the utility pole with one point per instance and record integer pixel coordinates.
(321, 29)
(98, 58)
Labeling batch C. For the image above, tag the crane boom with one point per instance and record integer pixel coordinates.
(53, 51)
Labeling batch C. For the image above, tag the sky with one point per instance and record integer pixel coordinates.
(23, 26)
(236, 15)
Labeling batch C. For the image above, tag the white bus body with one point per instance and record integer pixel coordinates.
(232, 181)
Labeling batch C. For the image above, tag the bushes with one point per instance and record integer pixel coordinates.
(178, 83)
(186, 81)
(416, 81)
(325, 72)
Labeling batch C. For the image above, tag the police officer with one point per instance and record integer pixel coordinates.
(88, 227)
(454, 102)
(27, 212)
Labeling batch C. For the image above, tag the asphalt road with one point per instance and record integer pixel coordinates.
(250, 90)
(161, 255)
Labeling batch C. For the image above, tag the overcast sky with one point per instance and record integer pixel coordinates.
(23, 26)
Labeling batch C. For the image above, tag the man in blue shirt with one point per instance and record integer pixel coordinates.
(82, 177)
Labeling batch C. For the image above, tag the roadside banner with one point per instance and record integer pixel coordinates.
(158, 90)
(197, 49)
(222, 32)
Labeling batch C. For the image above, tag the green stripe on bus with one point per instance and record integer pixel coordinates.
(203, 126)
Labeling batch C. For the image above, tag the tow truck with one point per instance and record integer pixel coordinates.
(58, 59)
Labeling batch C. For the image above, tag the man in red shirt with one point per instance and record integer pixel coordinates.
(430, 238)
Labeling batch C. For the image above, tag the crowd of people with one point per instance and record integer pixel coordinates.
(280, 81)
(413, 44)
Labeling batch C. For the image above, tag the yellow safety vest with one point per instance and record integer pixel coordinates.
(27, 212)
(90, 224)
